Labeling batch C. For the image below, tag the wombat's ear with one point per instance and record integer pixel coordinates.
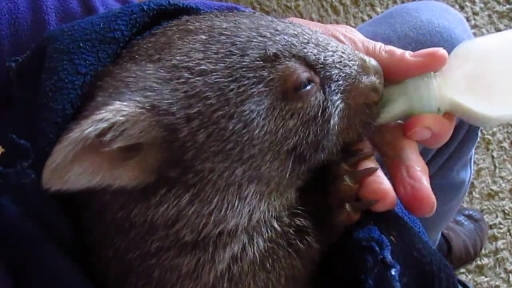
(114, 147)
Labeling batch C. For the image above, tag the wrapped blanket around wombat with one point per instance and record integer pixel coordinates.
(38, 245)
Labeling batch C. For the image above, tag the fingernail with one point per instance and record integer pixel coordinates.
(419, 134)
(421, 53)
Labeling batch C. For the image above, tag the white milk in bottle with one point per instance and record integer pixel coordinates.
(475, 85)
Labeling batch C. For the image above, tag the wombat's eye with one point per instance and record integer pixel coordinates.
(306, 85)
(299, 83)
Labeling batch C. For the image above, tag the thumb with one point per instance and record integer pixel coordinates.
(398, 65)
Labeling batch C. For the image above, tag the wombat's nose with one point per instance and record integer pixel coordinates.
(372, 81)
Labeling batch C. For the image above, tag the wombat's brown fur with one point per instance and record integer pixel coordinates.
(192, 154)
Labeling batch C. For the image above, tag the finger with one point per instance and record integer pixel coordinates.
(322, 28)
(377, 187)
(399, 65)
(430, 130)
(407, 169)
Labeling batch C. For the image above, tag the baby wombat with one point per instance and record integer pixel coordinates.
(191, 156)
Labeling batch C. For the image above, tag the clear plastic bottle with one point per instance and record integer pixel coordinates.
(475, 85)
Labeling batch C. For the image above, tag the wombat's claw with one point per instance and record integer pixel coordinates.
(355, 177)
(356, 156)
(348, 186)
(360, 206)
(351, 212)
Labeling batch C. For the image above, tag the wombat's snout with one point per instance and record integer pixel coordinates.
(369, 88)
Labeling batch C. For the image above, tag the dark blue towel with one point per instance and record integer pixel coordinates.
(37, 245)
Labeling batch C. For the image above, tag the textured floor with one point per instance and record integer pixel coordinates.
(492, 186)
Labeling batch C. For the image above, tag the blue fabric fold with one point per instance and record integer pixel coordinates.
(38, 246)
(387, 250)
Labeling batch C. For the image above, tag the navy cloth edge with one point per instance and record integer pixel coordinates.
(37, 243)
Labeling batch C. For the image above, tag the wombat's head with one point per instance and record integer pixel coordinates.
(218, 93)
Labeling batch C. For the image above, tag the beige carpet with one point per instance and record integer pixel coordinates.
(492, 185)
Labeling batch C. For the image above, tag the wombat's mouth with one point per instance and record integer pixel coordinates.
(362, 107)
(362, 100)
(359, 119)
(359, 122)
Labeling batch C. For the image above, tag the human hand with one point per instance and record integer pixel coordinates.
(397, 142)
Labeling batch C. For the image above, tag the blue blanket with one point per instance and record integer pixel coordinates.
(38, 246)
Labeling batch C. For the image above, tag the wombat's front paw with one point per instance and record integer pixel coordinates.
(344, 196)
